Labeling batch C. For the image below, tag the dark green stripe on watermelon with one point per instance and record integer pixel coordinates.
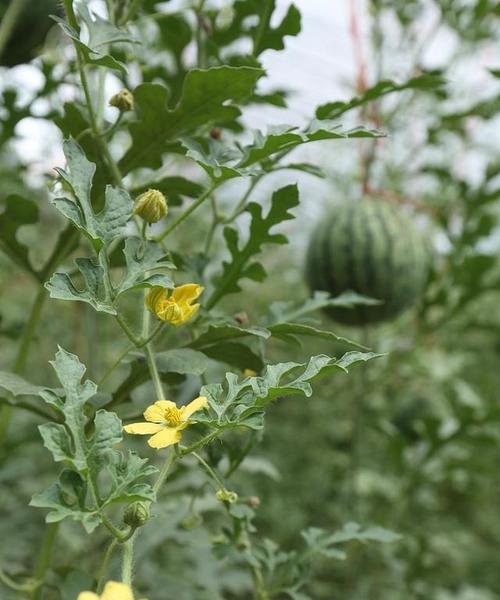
(373, 248)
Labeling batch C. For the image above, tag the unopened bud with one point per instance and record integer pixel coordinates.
(136, 514)
(253, 501)
(122, 100)
(224, 495)
(215, 133)
(249, 373)
(241, 318)
(151, 206)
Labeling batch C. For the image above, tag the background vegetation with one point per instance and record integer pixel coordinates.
(408, 442)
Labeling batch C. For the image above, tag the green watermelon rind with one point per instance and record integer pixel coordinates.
(373, 248)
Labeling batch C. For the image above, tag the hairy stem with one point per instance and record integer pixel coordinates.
(206, 194)
(128, 561)
(153, 370)
(209, 470)
(162, 477)
(103, 569)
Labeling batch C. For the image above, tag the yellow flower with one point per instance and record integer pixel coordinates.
(176, 308)
(112, 591)
(165, 422)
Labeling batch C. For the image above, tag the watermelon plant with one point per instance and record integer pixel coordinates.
(160, 367)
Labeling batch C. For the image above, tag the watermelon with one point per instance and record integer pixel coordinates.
(29, 31)
(371, 247)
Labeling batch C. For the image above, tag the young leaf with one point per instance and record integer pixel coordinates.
(333, 110)
(69, 446)
(101, 34)
(60, 286)
(206, 97)
(234, 400)
(110, 222)
(238, 266)
(87, 456)
(287, 138)
(142, 257)
(222, 163)
(62, 507)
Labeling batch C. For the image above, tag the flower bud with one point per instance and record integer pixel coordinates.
(136, 514)
(241, 318)
(249, 373)
(215, 133)
(253, 501)
(224, 495)
(123, 100)
(151, 206)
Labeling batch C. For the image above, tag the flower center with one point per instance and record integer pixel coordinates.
(171, 311)
(173, 416)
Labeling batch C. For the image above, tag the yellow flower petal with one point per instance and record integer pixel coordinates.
(87, 596)
(156, 412)
(164, 438)
(143, 428)
(186, 294)
(185, 314)
(154, 296)
(117, 591)
(194, 406)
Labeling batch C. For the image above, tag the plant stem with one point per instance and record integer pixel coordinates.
(9, 21)
(209, 470)
(103, 569)
(128, 332)
(93, 120)
(153, 370)
(200, 443)
(162, 477)
(128, 561)
(45, 557)
(115, 363)
(187, 212)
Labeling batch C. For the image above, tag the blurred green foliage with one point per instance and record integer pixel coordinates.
(409, 442)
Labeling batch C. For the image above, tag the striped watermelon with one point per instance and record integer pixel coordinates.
(373, 248)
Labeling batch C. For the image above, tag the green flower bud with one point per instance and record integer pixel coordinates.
(224, 495)
(151, 206)
(123, 100)
(136, 514)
